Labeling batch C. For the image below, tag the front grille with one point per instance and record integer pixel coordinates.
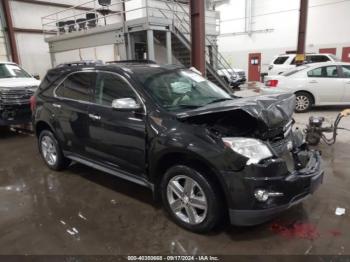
(15, 97)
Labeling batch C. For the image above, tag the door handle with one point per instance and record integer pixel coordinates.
(313, 82)
(94, 117)
(56, 105)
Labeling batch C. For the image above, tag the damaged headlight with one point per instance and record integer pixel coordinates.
(251, 148)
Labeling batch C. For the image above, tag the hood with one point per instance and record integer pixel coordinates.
(18, 82)
(272, 110)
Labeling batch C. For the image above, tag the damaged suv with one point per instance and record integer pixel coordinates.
(205, 153)
(16, 89)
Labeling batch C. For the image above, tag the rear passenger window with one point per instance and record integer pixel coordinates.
(326, 71)
(281, 60)
(317, 58)
(110, 87)
(78, 86)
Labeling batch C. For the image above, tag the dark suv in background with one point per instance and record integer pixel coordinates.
(206, 153)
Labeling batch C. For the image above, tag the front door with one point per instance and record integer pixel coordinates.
(326, 83)
(254, 62)
(118, 138)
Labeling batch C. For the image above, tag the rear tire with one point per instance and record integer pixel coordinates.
(303, 102)
(191, 200)
(51, 151)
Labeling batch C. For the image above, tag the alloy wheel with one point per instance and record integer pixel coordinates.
(187, 199)
(48, 150)
(302, 103)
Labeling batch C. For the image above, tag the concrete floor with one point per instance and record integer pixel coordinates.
(83, 211)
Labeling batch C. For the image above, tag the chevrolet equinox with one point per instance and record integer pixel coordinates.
(204, 152)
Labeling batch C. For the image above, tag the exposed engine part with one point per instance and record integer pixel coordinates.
(315, 131)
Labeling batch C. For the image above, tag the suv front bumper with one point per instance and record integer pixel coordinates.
(15, 115)
(245, 210)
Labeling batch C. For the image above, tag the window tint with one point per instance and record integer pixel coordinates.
(77, 86)
(317, 58)
(110, 87)
(346, 71)
(280, 60)
(326, 71)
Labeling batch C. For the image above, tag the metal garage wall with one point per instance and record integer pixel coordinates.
(33, 50)
(326, 28)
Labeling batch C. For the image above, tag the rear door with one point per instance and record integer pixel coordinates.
(346, 81)
(326, 83)
(74, 95)
(118, 138)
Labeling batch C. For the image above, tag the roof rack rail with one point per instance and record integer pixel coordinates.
(145, 61)
(81, 63)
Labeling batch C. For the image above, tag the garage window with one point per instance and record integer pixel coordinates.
(326, 71)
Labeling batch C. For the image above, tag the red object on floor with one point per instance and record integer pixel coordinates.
(296, 230)
(335, 233)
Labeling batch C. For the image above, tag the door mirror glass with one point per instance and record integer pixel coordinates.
(125, 104)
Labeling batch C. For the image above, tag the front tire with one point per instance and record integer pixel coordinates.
(303, 102)
(192, 201)
(51, 151)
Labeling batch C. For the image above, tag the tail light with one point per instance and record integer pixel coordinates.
(272, 83)
(32, 103)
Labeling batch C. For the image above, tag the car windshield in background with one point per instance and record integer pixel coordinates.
(183, 89)
(296, 70)
(12, 71)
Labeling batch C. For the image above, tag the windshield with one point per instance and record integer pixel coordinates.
(12, 71)
(294, 71)
(182, 89)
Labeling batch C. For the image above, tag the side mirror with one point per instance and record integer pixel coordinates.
(125, 104)
(36, 76)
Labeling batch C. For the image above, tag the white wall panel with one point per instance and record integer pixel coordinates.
(33, 52)
(327, 27)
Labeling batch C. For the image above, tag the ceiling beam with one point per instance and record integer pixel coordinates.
(46, 3)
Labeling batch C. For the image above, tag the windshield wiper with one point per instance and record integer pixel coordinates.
(219, 100)
(184, 106)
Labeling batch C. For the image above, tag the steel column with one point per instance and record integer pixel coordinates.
(169, 48)
(10, 31)
(129, 49)
(150, 45)
(304, 5)
(198, 34)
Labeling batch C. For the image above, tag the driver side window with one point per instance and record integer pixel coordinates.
(110, 87)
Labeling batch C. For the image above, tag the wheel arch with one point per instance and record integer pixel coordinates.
(309, 93)
(42, 125)
(189, 159)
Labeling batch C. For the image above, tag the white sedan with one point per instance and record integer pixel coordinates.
(314, 84)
